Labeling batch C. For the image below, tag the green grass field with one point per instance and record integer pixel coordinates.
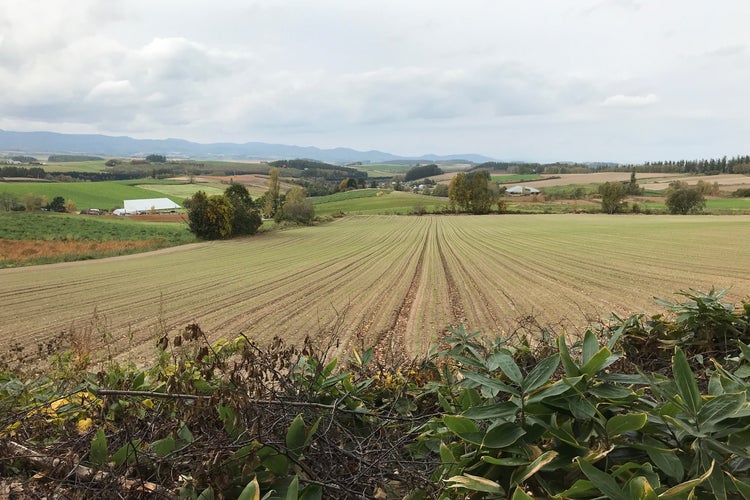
(368, 202)
(76, 166)
(719, 206)
(181, 191)
(50, 226)
(512, 178)
(104, 195)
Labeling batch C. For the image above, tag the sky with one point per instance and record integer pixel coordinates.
(532, 80)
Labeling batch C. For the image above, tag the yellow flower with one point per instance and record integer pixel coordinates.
(84, 425)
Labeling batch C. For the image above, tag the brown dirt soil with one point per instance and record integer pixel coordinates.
(572, 179)
(20, 251)
(726, 182)
(391, 282)
(158, 217)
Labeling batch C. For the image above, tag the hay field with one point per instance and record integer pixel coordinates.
(395, 282)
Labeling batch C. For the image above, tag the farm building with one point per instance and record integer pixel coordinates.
(147, 205)
(522, 190)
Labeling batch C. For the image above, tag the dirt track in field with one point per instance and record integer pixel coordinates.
(392, 282)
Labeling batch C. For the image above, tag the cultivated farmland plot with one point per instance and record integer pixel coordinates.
(397, 282)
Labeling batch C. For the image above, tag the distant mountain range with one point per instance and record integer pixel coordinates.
(104, 145)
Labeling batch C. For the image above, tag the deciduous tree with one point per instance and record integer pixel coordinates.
(297, 207)
(210, 217)
(57, 204)
(272, 195)
(471, 192)
(245, 218)
(613, 194)
(683, 199)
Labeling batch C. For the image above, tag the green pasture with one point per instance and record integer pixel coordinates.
(368, 202)
(52, 226)
(103, 195)
(181, 191)
(512, 178)
(347, 195)
(76, 166)
(718, 206)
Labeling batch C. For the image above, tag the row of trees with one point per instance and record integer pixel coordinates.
(32, 202)
(422, 171)
(723, 165)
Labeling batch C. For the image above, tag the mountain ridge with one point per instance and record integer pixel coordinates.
(125, 146)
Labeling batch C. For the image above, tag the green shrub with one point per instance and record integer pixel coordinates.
(478, 418)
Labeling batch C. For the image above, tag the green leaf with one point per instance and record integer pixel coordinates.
(464, 428)
(311, 492)
(666, 460)
(99, 453)
(560, 387)
(459, 425)
(601, 480)
(446, 456)
(581, 408)
(742, 487)
(682, 489)
(228, 418)
(620, 424)
(475, 483)
(640, 488)
(295, 436)
(293, 491)
(492, 386)
(138, 381)
(164, 447)
(719, 408)
(685, 381)
(185, 435)
(251, 491)
(541, 374)
(126, 453)
(597, 362)
(207, 494)
(506, 461)
(521, 475)
(505, 410)
(590, 346)
(276, 463)
(509, 367)
(571, 369)
(582, 488)
(502, 435)
(519, 494)
(611, 391)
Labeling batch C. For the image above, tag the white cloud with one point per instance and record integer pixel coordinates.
(630, 101)
(111, 90)
(481, 76)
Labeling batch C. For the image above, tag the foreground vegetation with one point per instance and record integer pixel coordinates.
(639, 407)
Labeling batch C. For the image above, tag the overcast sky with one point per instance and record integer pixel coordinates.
(535, 80)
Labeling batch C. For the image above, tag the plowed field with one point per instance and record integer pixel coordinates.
(392, 281)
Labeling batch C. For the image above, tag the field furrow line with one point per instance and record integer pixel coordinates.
(454, 298)
(391, 345)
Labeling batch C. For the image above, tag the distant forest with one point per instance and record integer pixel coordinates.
(713, 166)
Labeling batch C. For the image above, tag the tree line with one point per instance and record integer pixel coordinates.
(723, 165)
